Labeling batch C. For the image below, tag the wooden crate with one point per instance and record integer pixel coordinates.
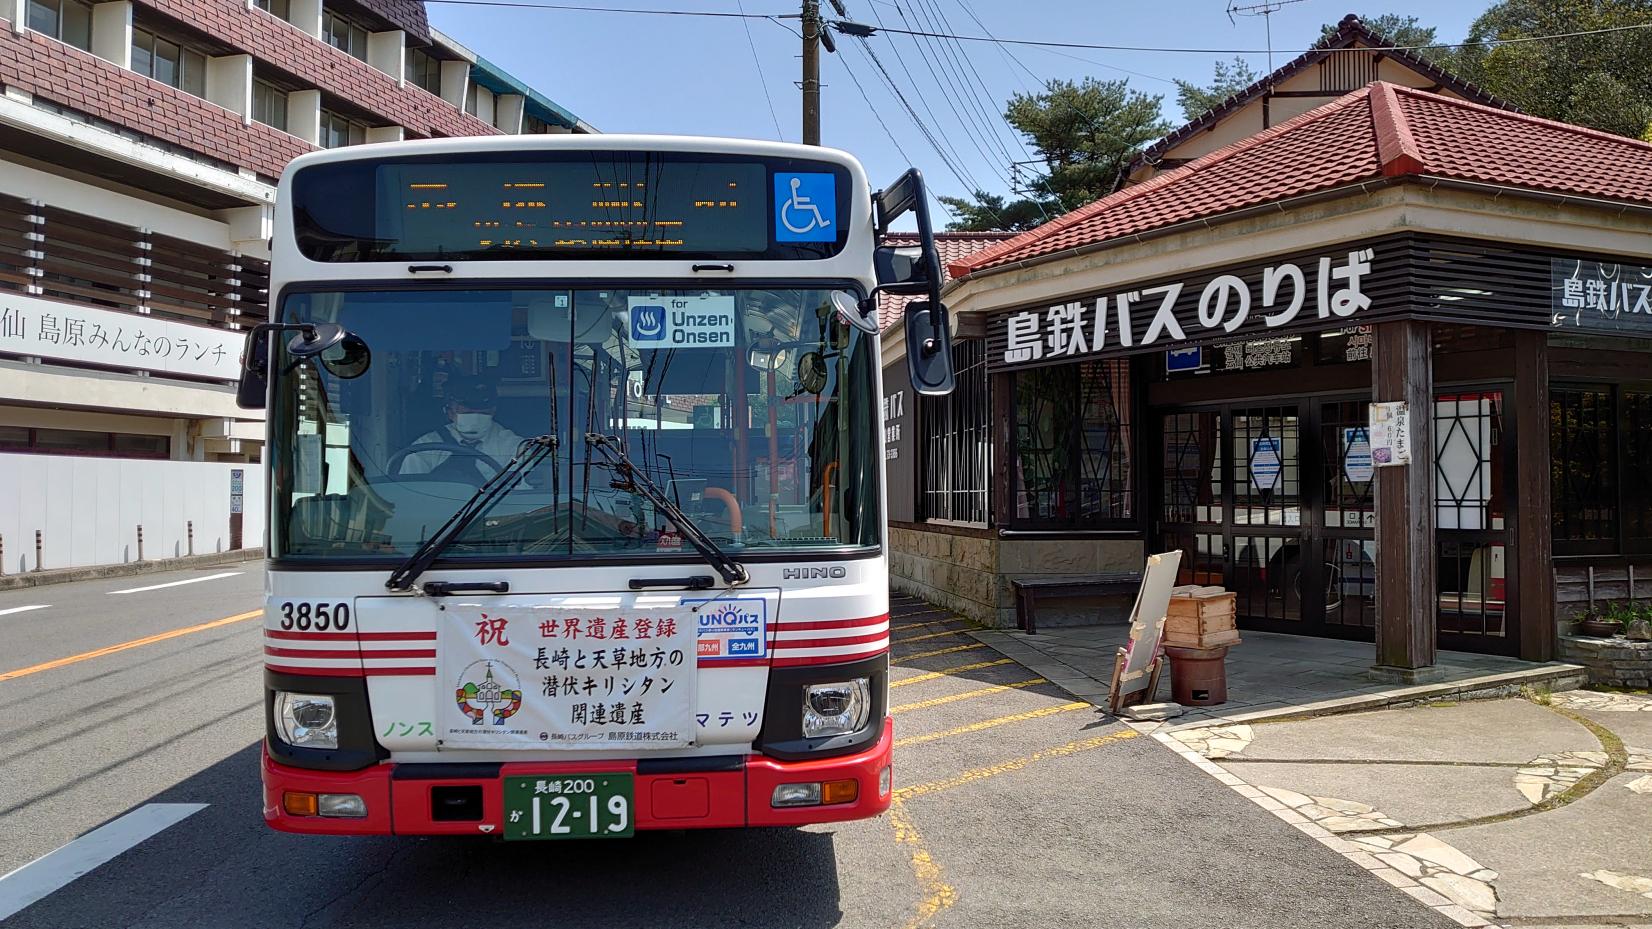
(1200, 617)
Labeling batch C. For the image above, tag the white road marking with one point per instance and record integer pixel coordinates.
(24, 609)
(46, 875)
(193, 580)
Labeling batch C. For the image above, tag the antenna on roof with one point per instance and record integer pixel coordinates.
(1266, 9)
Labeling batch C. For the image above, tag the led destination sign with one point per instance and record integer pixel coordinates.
(585, 205)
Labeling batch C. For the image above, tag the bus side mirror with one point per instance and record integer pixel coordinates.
(929, 347)
(901, 269)
(254, 388)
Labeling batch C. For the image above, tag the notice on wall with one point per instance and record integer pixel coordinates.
(1356, 454)
(116, 339)
(1390, 434)
(1265, 464)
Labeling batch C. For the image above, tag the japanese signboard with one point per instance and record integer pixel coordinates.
(1265, 463)
(730, 628)
(620, 674)
(1326, 289)
(1600, 296)
(70, 332)
(1356, 454)
(1390, 434)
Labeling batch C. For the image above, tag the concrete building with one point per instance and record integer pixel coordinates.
(140, 143)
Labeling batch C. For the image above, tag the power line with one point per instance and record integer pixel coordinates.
(971, 98)
(886, 130)
(861, 30)
(762, 80)
(713, 14)
(971, 126)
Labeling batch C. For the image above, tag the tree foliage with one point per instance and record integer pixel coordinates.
(1086, 133)
(1229, 78)
(1402, 31)
(990, 213)
(1603, 81)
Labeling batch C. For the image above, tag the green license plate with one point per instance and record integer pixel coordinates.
(569, 806)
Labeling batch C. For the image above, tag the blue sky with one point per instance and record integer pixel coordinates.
(690, 75)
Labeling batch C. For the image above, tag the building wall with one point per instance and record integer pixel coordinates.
(971, 574)
(88, 510)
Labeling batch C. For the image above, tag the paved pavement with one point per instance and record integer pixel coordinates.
(1525, 812)
(1018, 806)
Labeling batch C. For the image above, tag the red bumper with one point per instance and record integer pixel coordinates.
(693, 800)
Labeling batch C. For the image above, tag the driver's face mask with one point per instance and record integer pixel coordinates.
(472, 425)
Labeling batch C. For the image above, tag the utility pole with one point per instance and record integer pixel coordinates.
(811, 72)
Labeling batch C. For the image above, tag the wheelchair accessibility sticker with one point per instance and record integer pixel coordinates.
(805, 207)
(704, 321)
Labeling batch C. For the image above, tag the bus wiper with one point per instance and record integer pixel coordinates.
(627, 477)
(529, 454)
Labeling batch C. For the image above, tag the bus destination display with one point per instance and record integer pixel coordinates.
(601, 205)
(489, 207)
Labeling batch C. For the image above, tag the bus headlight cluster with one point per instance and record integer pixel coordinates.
(836, 709)
(306, 720)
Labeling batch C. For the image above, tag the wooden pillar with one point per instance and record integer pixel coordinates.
(1532, 603)
(1403, 369)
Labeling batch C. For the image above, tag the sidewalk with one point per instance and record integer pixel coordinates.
(1271, 675)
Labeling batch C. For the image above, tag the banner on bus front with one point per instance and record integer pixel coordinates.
(605, 673)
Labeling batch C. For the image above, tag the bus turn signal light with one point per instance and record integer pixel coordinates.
(298, 804)
(839, 792)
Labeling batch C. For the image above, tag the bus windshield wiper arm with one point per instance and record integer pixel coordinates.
(628, 477)
(528, 456)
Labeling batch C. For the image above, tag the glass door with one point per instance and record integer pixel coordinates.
(1265, 530)
(1349, 518)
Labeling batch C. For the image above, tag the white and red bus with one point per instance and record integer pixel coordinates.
(575, 485)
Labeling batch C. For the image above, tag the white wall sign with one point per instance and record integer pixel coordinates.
(69, 332)
(704, 321)
(1356, 455)
(1265, 463)
(1390, 434)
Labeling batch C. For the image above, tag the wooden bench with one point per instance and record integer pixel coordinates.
(1030, 590)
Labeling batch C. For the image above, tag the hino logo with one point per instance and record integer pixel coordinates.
(804, 574)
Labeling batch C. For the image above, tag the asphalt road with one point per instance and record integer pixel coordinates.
(1016, 806)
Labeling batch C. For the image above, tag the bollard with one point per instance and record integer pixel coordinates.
(140, 541)
(191, 525)
(39, 543)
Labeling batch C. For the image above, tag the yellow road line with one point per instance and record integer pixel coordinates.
(1014, 764)
(937, 893)
(990, 723)
(932, 675)
(939, 651)
(939, 622)
(954, 698)
(930, 635)
(135, 643)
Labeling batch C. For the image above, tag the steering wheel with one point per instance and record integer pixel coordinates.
(393, 466)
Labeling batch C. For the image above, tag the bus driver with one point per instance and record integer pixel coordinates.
(470, 409)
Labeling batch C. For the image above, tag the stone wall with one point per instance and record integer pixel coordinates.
(1616, 662)
(971, 574)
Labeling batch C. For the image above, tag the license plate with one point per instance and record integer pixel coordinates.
(572, 806)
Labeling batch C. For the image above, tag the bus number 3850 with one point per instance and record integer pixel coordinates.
(315, 617)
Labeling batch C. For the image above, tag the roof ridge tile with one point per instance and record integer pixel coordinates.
(1397, 148)
(1401, 89)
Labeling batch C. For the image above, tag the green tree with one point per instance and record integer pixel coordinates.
(1085, 132)
(1603, 81)
(1401, 31)
(1230, 77)
(990, 213)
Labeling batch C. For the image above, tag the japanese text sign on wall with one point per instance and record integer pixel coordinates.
(1390, 434)
(69, 332)
(1600, 296)
(1148, 316)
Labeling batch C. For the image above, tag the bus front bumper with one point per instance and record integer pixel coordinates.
(405, 800)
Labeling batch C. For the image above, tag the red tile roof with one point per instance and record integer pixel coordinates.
(1380, 131)
(953, 246)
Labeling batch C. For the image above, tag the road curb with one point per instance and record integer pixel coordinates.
(128, 569)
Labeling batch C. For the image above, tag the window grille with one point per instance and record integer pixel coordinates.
(957, 443)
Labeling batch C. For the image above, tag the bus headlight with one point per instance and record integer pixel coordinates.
(836, 709)
(306, 720)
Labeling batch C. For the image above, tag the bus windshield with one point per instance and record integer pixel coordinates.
(751, 407)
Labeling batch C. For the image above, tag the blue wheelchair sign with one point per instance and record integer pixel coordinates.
(805, 207)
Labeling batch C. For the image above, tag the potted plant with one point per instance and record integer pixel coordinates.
(1603, 623)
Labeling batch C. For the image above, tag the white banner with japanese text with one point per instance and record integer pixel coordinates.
(1320, 292)
(611, 672)
(71, 332)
